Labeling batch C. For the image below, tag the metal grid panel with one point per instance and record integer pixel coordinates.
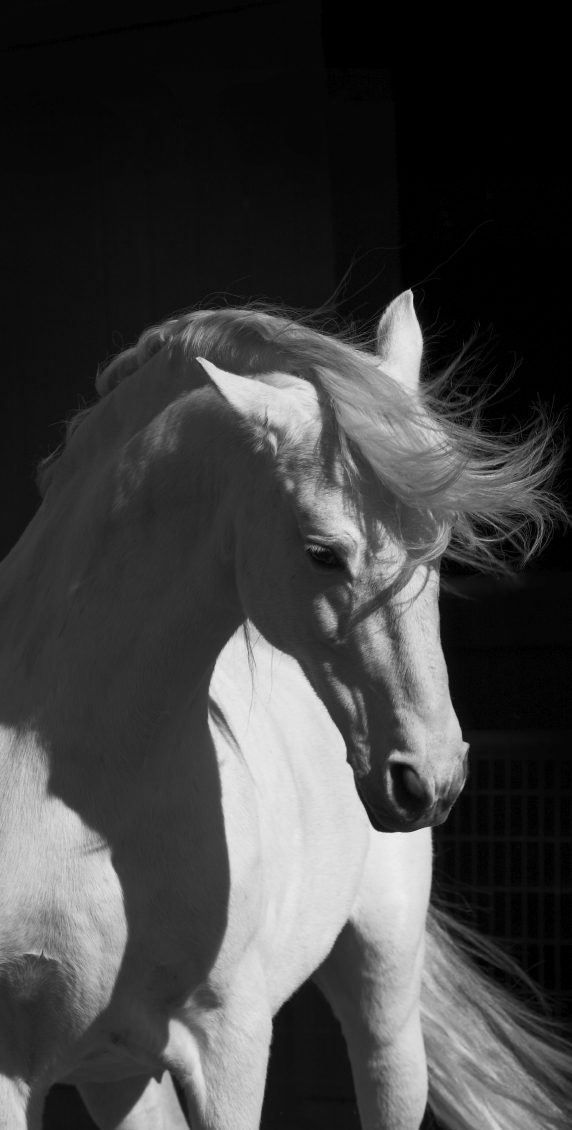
(506, 850)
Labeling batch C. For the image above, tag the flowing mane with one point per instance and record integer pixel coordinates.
(485, 499)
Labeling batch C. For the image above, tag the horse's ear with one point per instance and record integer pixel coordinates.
(266, 405)
(243, 394)
(400, 341)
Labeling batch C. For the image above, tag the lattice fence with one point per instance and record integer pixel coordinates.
(506, 850)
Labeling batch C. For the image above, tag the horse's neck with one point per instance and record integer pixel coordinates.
(138, 399)
(116, 603)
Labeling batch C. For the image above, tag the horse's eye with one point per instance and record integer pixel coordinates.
(323, 556)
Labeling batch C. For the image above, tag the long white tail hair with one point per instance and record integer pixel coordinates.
(494, 1062)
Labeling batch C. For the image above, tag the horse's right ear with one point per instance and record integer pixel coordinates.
(268, 407)
(243, 394)
(400, 341)
(272, 408)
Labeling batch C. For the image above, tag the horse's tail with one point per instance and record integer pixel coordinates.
(494, 1063)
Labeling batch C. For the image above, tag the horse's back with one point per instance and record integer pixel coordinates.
(274, 735)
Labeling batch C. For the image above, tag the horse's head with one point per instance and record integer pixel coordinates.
(323, 570)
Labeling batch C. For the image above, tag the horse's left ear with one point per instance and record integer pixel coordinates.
(400, 341)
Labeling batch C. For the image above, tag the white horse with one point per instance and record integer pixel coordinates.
(191, 827)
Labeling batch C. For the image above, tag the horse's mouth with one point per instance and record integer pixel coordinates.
(377, 824)
(399, 824)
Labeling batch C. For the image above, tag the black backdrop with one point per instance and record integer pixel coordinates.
(158, 154)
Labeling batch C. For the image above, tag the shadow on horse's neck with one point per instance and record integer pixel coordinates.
(117, 593)
(115, 604)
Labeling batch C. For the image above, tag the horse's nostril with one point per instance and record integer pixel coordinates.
(410, 792)
(412, 782)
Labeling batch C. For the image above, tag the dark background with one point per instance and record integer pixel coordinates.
(160, 155)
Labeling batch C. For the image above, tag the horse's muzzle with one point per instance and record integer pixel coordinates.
(410, 799)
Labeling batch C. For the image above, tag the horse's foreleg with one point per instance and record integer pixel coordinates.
(134, 1104)
(226, 1074)
(372, 980)
(19, 1109)
(388, 1062)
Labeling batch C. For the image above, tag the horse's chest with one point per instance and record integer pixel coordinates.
(101, 943)
(59, 952)
(310, 848)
